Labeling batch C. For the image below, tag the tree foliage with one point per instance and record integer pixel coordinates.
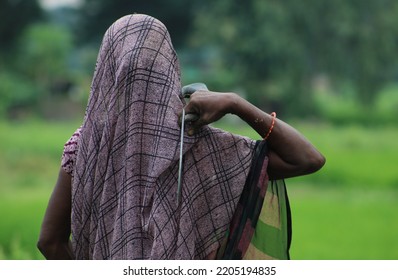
(281, 53)
(15, 90)
(15, 16)
(280, 47)
(44, 51)
(97, 15)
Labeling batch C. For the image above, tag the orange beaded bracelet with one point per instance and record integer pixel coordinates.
(273, 114)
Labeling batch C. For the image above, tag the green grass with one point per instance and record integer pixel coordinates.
(348, 210)
(344, 224)
(29, 164)
(31, 152)
(363, 157)
(20, 226)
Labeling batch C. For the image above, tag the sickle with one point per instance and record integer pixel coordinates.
(187, 91)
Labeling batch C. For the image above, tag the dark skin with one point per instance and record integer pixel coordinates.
(291, 154)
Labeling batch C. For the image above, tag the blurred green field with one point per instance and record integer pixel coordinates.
(29, 163)
(348, 210)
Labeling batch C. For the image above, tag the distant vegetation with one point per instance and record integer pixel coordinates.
(326, 60)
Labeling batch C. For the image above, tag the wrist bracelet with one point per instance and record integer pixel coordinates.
(273, 114)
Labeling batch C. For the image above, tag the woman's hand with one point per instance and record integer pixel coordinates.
(206, 107)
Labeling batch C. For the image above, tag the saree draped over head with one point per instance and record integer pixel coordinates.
(125, 165)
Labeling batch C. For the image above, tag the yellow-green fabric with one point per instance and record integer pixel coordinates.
(272, 235)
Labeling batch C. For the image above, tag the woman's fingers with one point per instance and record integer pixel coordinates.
(191, 117)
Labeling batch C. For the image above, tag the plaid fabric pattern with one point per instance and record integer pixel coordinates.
(125, 176)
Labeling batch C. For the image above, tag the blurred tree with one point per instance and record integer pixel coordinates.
(15, 16)
(44, 53)
(97, 15)
(38, 71)
(18, 95)
(277, 48)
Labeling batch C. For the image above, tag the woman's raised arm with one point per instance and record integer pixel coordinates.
(291, 154)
